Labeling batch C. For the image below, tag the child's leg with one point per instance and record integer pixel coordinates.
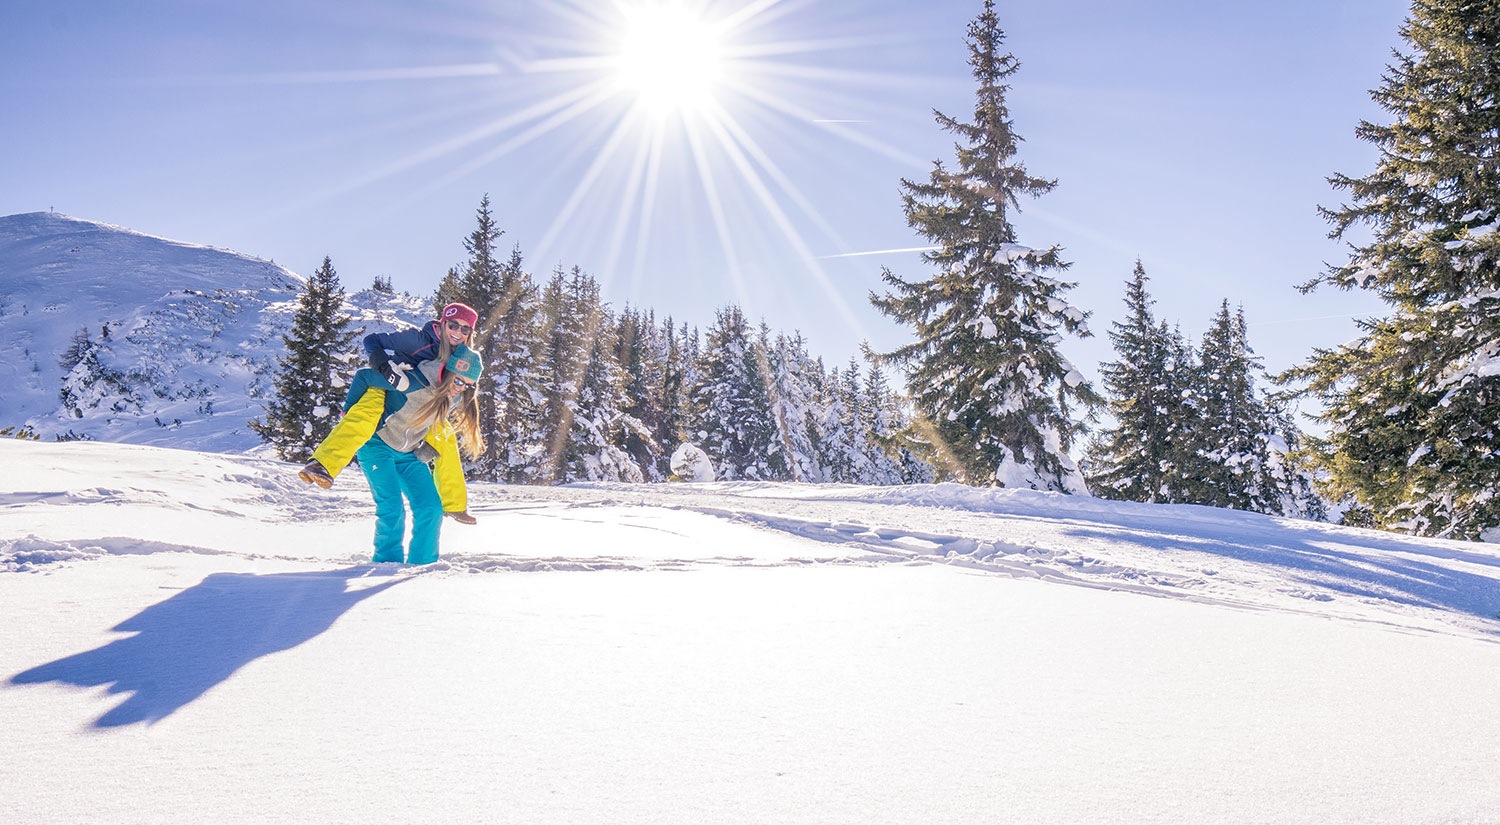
(352, 431)
(379, 463)
(426, 508)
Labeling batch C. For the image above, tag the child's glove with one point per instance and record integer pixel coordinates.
(395, 375)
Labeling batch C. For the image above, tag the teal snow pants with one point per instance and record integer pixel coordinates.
(392, 476)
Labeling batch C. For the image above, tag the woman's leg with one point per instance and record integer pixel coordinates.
(353, 430)
(426, 508)
(380, 464)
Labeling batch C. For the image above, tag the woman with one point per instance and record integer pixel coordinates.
(393, 355)
(437, 416)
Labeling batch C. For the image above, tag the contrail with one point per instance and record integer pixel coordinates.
(878, 252)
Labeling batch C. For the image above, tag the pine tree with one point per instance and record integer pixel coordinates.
(884, 436)
(641, 353)
(449, 290)
(1234, 431)
(593, 450)
(678, 378)
(561, 362)
(312, 376)
(735, 423)
(985, 369)
(839, 446)
(1135, 460)
(88, 384)
(1412, 404)
(794, 407)
(508, 339)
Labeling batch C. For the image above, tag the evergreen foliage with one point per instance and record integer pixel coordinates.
(1234, 426)
(985, 368)
(312, 376)
(1194, 428)
(1413, 404)
(1138, 458)
(735, 422)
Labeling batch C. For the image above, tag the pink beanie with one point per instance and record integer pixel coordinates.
(462, 313)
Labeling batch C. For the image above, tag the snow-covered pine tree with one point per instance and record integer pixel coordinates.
(640, 352)
(449, 289)
(1136, 459)
(884, 436)
(561, 361)
(593, 450)
(1233, 434)
(87, 383)
(1412, 404)
(734, 418)
(480, 284)
(313, 375)
(509, 341)
(858, 422)
(839, 447)
(794, 406)
(678, 378)
(985, 368)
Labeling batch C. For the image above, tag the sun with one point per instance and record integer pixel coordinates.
(669, 56)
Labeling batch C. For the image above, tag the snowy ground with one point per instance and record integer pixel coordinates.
(192, 637)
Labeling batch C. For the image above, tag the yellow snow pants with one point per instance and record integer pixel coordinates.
(358, 426)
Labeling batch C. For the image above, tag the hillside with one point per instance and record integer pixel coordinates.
(184, 336)
(198, 637)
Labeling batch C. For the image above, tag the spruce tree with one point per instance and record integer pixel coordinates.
(313, 375)
(794, 407)
(558, 369)
(508, 340)
(640, 351)
(593, 448)
(676, 388)
(1412, 404)
(735, 422)
(1234, 430)
(1135, 460)
(884, 437)
(985, 368)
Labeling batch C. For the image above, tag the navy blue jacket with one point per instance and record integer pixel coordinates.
(410, 346)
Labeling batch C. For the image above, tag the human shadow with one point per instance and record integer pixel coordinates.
(191, 642)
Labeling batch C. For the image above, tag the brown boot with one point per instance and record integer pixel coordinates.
(314, 473)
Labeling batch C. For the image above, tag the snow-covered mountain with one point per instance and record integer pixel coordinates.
(181, 339)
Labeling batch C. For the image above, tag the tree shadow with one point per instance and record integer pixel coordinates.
(191, 642)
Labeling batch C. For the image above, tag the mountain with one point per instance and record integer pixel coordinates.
(181, 339)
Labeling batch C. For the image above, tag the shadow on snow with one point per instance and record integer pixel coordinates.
(189, 643)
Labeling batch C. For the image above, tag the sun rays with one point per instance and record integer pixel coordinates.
(641, 123)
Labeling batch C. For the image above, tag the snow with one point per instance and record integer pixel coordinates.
(197, 637)
(690, 463)
(193, 332)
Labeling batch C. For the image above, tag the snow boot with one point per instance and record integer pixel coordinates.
(314, 473)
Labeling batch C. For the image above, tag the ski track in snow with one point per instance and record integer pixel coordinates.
(1198, 554)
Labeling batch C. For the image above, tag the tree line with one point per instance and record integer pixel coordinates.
(1412, 407)
(574, 390)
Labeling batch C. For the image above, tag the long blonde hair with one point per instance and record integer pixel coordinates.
(463, 415)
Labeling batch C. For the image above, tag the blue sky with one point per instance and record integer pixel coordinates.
(1196, 136)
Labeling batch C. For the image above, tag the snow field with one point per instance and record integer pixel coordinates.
(615, 654)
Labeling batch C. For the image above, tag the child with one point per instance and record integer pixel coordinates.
(393, 355)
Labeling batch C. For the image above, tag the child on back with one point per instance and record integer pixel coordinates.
(393, 355)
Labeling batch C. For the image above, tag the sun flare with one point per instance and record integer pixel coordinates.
(670, 57)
